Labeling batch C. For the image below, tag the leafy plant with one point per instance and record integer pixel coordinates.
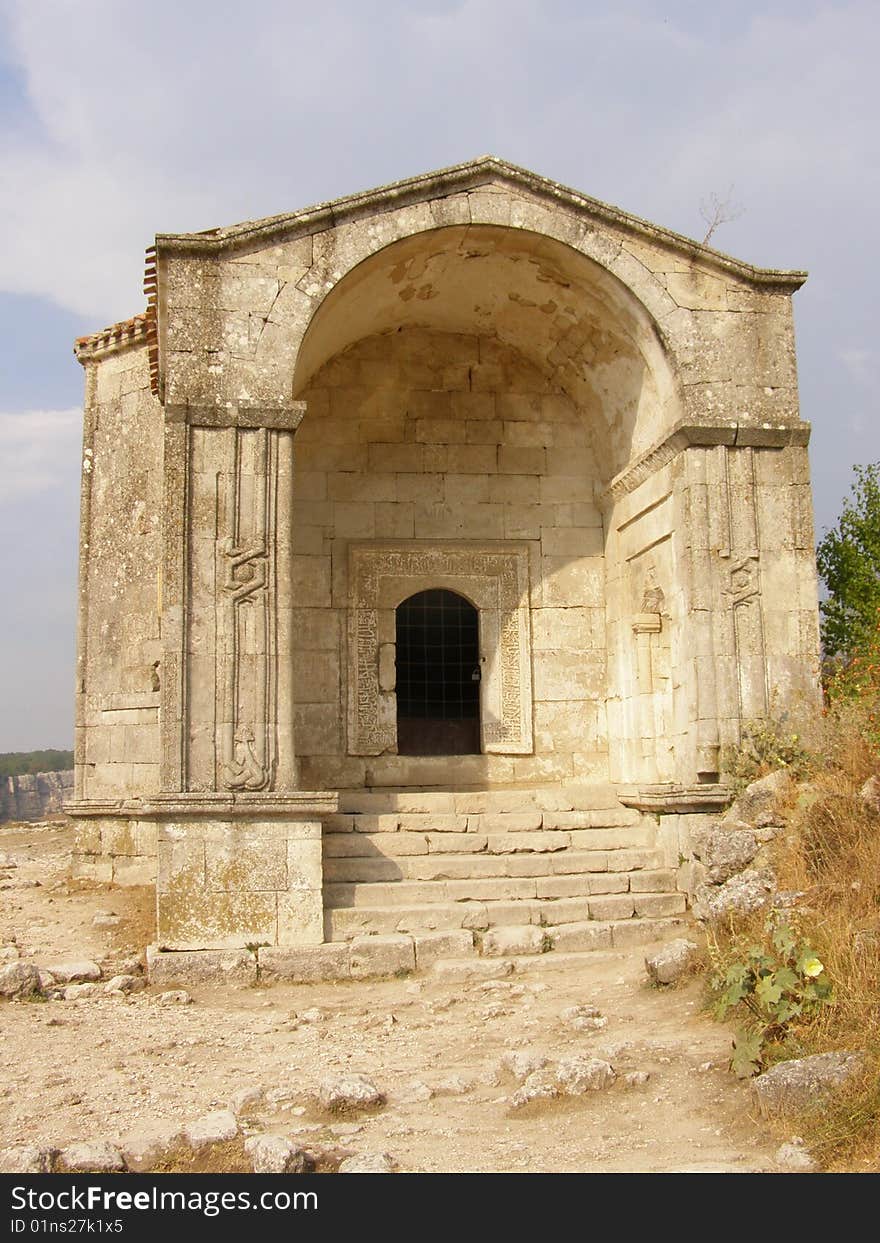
(767, 744)
(777, 983)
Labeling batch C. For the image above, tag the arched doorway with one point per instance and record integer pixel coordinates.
(438, 675)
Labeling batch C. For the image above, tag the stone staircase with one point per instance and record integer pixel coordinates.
(514, 870)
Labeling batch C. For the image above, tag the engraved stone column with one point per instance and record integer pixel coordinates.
(227, 686)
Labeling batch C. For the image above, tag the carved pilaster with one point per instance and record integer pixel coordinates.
(228, 702)
(245, 616)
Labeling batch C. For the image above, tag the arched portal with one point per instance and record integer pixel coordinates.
(438, 674)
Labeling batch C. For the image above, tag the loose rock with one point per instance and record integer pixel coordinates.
(217, 1127)
(583, 1019)
(750, 891)
(870, 794)
(541, 1085)
(636, 1078)
(20, 980)
(75, 971)
(312, 1015)
(97, 1157)
(759, 804)
(452, 1085)
(725, 850)
(150, 1143)
(576, 1075)
(672, 962)
(26, 1159)
(349, 1094)
(245, 1100)
(273, 1154)
(523, 1062)
(77, 992)
(125, 984)
(368, 1163)
(805, 1081)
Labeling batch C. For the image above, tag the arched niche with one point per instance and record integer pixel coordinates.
(563, 311)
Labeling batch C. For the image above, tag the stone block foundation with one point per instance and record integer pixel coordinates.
(222, 884)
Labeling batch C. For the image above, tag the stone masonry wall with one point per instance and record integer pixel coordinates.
(429, 436)
(118, 741)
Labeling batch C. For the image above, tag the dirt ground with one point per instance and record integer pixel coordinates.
(94, 1068)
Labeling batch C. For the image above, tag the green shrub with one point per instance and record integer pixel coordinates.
(775, 984)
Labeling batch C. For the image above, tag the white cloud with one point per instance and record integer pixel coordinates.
(36, 450)
(206, 114)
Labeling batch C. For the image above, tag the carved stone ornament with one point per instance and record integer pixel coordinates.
(495, 579)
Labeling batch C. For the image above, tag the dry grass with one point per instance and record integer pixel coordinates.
(831, 852)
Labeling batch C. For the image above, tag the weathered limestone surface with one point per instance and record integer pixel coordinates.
(34, 796)
(223, 884)
(479, 381)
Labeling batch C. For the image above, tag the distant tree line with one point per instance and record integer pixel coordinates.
(15, 763)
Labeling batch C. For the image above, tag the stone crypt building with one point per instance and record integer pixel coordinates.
(435, 543)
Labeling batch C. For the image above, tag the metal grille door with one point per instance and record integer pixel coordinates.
(438, 675)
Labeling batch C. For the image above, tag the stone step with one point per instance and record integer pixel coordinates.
(453, 955)
(464, 802)
(523, 820)
(343, 923)
(404, 842)
(357, 869)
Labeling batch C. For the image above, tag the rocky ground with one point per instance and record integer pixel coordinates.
(448, 1051)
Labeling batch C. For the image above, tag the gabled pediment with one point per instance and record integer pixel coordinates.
(488, 171)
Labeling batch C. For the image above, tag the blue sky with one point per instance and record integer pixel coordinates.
(117, 123)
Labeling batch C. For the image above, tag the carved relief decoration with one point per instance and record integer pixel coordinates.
(495, 579)
(246, 616)
(748, 629)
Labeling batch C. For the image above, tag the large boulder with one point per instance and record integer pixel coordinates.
(805, 1082)
(762, 801)
(750, 891)
(726, 849)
